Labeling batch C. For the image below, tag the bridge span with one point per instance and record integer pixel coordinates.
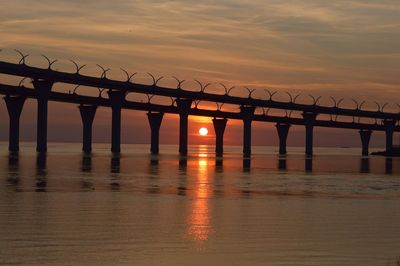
(184, 103)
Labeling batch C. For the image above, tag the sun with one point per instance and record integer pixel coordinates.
(203, 131)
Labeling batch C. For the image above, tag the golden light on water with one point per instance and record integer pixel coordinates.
(199, 227)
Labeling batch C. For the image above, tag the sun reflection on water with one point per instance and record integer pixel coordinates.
(199, 224)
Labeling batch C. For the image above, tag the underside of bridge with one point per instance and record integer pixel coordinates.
(184, 104)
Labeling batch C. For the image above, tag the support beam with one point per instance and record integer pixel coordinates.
(364, 165)
(308, 164)
(42, 88)
(219, 128)
(283, 130)
(14, 106)
(390, 125)
(184, 106)
(282, 163)
(87, 114)
(365, 135)
(247, 117)
(117, 99)
(155, 120)
(309, 119)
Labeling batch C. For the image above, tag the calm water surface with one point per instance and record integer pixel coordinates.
(137, 209)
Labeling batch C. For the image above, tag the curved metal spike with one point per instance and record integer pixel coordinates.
(104, 74)
(266, 112)
(227, 91)
(155, 81)
(357, 104)
(149, 98)
(196, 103)
(361, 105)
(172, 101)
(250, 91)
(270, 94)
(100, 92)
(78, 68)
(205, 87)
(398, 105)
(74, 91)
(290, 113)
(200, 84)
(286, 113)
(378, 105)
(315, 100)
(290, 96)
(202, 87)
(334, 101)
(339, 102)
(318, 98)
(21, 81)
(219, 106)
(230, 89)
(23, 57)
(180, 82)
(295, 97)
(49, 61)
(128, 76)
(383, 107)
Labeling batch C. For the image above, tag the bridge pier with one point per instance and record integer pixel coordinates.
(365, 135)
(309, 119)
(184, 106)
(283, 131)
(247, 117)
(43, 89)
(87, 114)
(155, 120)
(14, 106)
(219, 128)
(389, 124)
(117, 99)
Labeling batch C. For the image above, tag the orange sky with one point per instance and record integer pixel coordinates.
(340, 48)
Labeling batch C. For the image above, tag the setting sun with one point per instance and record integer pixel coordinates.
(203, 131)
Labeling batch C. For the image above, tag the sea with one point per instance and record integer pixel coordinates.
(67, 208)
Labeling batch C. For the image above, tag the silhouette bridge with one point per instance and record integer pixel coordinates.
(183, 103)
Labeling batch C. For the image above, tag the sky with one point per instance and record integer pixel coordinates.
(338, 48)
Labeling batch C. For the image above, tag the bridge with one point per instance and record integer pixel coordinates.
(183, 103)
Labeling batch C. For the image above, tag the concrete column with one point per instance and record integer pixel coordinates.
(282, 163)
(155, 120)
(115, 172)
(388, 165)
(43, 89)
(246, 164)
(390, 124)
(283, 130)
(87, 114)
(308, 164)
(365, 135)
(86, 163)
(247, 116)
(309, 119)
(14, 107)
(364, 165)
(219, 128)
(41, 173)
(184, 109)
(117, 99)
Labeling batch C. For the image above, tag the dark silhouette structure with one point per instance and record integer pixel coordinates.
(184, 103)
